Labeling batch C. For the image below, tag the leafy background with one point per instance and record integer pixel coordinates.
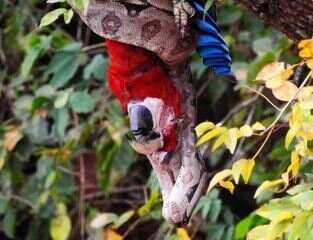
(66, 169)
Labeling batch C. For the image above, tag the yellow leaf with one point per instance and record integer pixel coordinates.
(305, 97)
(306, 53)
(246, 131)
(203, 127)
(219, 142)
(231, 139)
(286, 91)
(110, 234)
(227, 185)
(291, 134)
(275, 74)
(243, 167)
(103, 220)
(259, 233)
(220, 176)
(211, 134)
(285, 178)
(258, 127)
(11, 137)
(268, 185)
(295, 164)
(282, 216)
(182, 234)
(306, 48)
(307, 43)
(60, 226)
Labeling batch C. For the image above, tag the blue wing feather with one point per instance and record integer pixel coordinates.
(210, 43)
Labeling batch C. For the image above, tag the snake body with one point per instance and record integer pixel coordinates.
(152, 25)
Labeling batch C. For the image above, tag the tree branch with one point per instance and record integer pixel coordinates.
(292, 17)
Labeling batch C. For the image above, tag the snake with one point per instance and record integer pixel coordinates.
(162, 33)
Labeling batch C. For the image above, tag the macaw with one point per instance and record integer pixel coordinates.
(149, 43)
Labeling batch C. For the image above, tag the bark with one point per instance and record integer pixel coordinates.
(292, 17)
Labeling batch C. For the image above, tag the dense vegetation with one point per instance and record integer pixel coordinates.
(67, 171)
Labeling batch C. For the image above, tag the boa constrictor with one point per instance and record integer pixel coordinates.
(152, 25)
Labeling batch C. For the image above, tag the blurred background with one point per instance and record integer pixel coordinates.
(65, 164)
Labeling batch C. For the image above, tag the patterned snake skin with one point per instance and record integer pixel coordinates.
(151, 25)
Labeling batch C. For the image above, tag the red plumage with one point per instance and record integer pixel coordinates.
(135, 74)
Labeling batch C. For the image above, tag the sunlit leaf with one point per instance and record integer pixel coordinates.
(246, 131)
(274, 74)
(220, 176)
(258, 233)
(244, 168)
(258, 126)
(286, 91)
(300, 188)
(52, 16)
(211, 134)
(182, 234)
(295, 164)
(103, 220)
(219, 141)
(267, 185)
(304, 200)
(227, 185)
(291, 134)
(60, 225)
(306, 48)
(203, 127)
(110, 234)
(123, 218)
(231, 139)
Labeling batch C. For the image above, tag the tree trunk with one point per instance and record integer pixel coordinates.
(292, 17)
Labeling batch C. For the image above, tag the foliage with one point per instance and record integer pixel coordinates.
(67, 171)
(289, 217)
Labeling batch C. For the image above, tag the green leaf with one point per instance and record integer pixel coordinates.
(51, 17)
(96, 68)
(64, 65)
(81, 5)
(81, 102)
(61, 118)
(9, 222)
(304, 200)
(40, 44)
(216, 231)
(62, 98)
(208, 4)
(303, 187)
(246, 224)
(68, 15)
(60, 226)
(275, 208)
(215, 210)
(123, 218)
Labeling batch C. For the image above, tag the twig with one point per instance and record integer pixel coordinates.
(131, 228)
(20, 199)
(263, 144)
(239, 106)
(82, 198)
(248, 122)
(93, 47)
(263, 96)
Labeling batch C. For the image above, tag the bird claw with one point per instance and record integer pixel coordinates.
(182, 12)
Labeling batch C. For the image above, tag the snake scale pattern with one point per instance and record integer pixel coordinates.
(152, 25)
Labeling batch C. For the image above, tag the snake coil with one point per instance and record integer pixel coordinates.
(210, 43)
